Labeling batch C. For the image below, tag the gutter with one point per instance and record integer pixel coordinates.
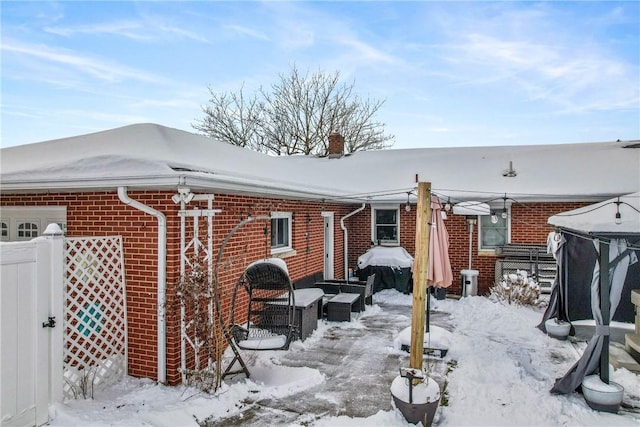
(168, 181)
(162, 277)
(346, 239)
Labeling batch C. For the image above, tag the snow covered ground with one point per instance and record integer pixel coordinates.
(504, 368)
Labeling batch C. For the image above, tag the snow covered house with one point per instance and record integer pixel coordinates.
(157, 187)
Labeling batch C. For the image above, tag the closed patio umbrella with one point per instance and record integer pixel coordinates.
(439, 267)
(439, 273)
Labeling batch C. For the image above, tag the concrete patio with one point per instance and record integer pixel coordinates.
(350, 367)
(359, 362)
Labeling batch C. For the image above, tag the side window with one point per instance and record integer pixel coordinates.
(385, 226)
(280, 232)
(21, 223)
(4, 230)
(494, 231)
(27, 230)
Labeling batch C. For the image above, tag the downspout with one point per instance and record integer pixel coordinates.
(162, 276)
(346, 239)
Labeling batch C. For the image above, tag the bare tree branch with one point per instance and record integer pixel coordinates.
(295, 116)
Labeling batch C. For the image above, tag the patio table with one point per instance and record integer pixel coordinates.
(307, 307)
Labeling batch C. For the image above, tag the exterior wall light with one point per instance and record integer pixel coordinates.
(184, 195)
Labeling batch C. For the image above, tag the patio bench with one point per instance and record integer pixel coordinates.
(340, 307)
(330, 290)
(362, 287)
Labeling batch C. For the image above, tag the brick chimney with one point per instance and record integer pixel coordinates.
(336, 145)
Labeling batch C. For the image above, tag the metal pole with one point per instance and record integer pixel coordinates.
(470, 224)
(605, 308)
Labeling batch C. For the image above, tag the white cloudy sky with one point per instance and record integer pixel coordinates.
(451, 73)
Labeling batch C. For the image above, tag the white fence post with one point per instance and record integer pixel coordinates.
(43, 335)
(55, 238)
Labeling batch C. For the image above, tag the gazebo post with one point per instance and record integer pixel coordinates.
(420, 409)
(420, 274)
(605, 308)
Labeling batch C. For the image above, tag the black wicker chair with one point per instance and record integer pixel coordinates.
(269, 320)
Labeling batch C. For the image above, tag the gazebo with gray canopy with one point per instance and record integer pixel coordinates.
(597, 256)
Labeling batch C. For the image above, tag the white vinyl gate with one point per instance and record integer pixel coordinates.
(62, 322)
(31, 284)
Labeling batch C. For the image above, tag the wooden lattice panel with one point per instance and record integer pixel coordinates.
(95, 347)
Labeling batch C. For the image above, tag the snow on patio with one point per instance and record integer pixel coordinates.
(502, 368)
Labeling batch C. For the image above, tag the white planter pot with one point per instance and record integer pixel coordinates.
(600, 395)
(557, 328)
(425, 398)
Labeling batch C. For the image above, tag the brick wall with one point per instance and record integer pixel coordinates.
(359, 233)
(102, 213)
(529, 220)
(528, 225)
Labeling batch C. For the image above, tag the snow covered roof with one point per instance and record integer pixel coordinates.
(600, 218)
(144, 156)
(154, 156)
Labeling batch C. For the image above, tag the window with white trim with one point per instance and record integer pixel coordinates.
(26, 222)
(385, 222)
(4, 231)
(281, 232)
(27, 230)
(493, 234)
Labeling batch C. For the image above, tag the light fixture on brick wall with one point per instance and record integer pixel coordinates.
(184, 195)
(407, 207)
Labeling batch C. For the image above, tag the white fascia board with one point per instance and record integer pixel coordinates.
(257, 188)
(85, 185)
(171, 182)
(271, 186)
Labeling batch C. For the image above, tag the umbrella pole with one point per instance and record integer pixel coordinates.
(563, 300)
(470, 225)
(428, 308)
(605, 308)
(423, 218)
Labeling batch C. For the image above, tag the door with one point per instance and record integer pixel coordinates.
(24, 346)
(328, 245)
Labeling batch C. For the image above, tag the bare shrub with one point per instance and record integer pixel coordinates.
(196, 295)
(518, 289)
(84, 386)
